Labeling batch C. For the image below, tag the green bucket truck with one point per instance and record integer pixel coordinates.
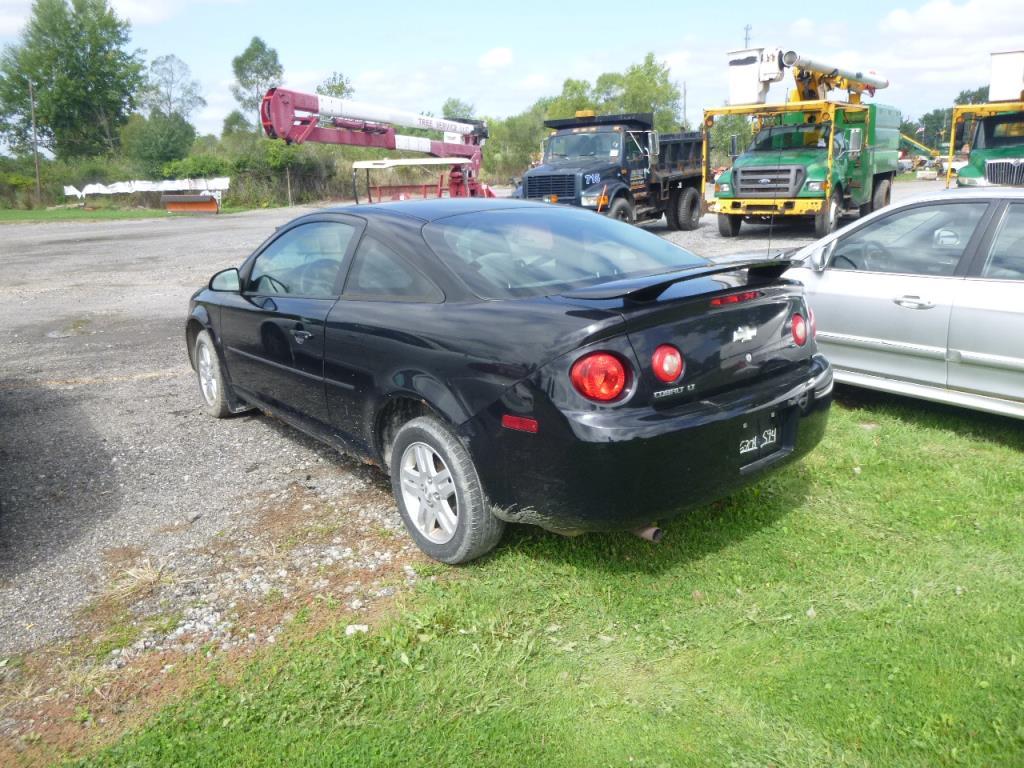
(996, 140)
(810, 156)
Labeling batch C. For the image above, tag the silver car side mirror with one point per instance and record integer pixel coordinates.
(819, 258)
(945, 238)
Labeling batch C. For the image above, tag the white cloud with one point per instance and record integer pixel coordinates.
(496, 58)
(142, 12)
(802, 27)
(13, 15)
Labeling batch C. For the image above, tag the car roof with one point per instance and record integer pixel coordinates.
(436, 208)
(967, 193)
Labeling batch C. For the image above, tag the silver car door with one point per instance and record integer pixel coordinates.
(986, 327)
(882, 303)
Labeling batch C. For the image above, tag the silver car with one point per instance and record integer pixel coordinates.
(926, 298)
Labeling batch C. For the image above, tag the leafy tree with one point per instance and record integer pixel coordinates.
(235, 123)
(337, 85)
(196, 167)
(454, 109)
(576, 95)
(156, 140)
(977, 96)
(646, 87)
(257, 69)
(85, 81)
(170, 88)
(643, 87)
(936, 127)
(725, 127)
(514, 142)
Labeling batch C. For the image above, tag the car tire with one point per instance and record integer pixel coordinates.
(439, 494)
(210, 376)
(621, 209)
(827, 219)
(882, 195)
(729, 225)
(688, 210)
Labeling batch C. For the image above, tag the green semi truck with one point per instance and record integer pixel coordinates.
(810, 156)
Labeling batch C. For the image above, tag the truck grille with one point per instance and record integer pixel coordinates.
(561, 184)
(780, 181)
(1010, 172)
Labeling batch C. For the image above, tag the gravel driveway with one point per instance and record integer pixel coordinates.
(103, 447)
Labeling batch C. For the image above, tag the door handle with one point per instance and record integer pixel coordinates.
(913, 302)
(301, 336)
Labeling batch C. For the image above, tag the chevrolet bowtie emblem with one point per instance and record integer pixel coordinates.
(744, 333)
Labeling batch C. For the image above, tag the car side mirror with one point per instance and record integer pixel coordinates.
(734, 146)
(856, 141)
(819, 257)
(945, 238)
(226, 281)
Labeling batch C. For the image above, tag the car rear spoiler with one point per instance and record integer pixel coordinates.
(650, 287)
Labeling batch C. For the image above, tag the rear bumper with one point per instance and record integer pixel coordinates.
(611, 470)
(766, 206)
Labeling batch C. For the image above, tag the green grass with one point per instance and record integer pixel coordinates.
(16, 216)
(862, 608)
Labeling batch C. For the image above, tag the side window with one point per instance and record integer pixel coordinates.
(302, 262)
(1005, 259)
(634, 145)
(378, 272)
(925, 240)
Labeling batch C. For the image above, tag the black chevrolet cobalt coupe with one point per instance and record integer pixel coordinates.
(508, 361)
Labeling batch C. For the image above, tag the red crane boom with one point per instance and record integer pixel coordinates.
(299, 117)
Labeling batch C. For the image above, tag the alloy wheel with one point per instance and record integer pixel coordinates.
(428, 491)
(207, 374)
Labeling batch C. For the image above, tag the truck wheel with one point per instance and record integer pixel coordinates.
(882, 196)
(672, 211)
(688, 209)
(826, 219)
(621, 210)
(728, 225)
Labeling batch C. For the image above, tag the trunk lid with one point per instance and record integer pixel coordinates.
(732, 328)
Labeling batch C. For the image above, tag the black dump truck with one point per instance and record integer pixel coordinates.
(619, 165)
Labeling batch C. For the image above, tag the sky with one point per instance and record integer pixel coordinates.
(502, 57)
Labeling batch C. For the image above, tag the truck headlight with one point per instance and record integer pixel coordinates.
(814, 186)
(594, 201)
(972, 181)
(725, 187)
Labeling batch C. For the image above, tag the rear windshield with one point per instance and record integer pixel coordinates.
(541, 251)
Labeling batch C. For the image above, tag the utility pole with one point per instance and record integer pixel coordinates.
(35, 140)
(746, 36)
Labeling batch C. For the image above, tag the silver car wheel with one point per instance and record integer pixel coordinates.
(207, 374)
(428, 491)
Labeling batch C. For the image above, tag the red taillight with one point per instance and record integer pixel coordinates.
(599, 376)
(734, 298)
(520, 423)
(667, 363)
(813, 322)
(799, 329)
